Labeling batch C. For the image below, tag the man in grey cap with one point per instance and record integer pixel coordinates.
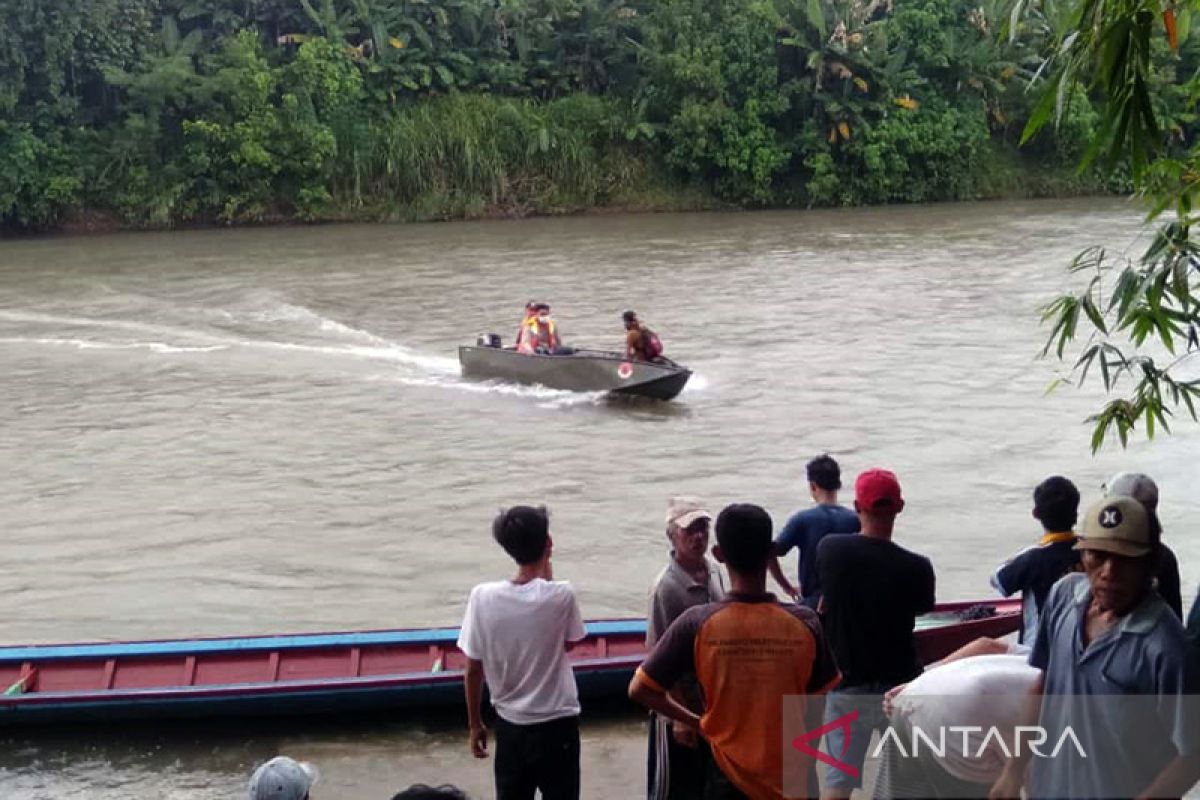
(1116, 671)
(282, 778)
(1141, 487)
(675, 765)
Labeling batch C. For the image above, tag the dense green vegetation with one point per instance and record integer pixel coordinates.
(161, 112)
(1138, 317)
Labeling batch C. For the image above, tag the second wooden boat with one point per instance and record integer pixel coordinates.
(337, 672)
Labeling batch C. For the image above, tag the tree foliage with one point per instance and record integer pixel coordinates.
(160, 112)
(1137, 320)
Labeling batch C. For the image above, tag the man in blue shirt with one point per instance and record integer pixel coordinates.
(1116, 671)
(805, 530)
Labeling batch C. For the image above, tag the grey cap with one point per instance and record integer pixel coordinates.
(1138, 485)
(683, 511)
(282, 778)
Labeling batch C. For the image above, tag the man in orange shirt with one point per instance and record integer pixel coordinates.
(748, 652)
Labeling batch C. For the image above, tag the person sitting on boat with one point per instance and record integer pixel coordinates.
(541, 334)
(530, 316)
(641, 343)
(282, 778)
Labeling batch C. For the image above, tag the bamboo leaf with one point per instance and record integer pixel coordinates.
(1044, 109)
(1098, 433)
(1014, 20)
(1093, 313)
(1053, 387)
(817, 17)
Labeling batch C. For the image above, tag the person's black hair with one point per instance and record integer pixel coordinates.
(825, 473)
(542, 307)
(628, 316)
(523, 531)
(1056, 503)
(419, 791)
(744, 536)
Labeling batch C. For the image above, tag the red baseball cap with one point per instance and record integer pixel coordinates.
(876, 487)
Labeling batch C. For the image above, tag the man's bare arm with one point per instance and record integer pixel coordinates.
(983, 646)
(661, 703)
(474, 690)
(780, 578)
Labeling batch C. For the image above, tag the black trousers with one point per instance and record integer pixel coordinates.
(542, 757)
(717, 786)
(674, 772)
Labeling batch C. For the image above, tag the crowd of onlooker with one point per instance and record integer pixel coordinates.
(732, 670)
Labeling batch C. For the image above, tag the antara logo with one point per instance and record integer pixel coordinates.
(1032, 736)
(802, 743)
(1035, 738)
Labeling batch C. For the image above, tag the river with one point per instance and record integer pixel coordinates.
(247, 431)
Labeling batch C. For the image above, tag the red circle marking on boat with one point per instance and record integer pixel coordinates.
(625, 370)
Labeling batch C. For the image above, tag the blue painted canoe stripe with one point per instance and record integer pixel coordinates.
(177, 647)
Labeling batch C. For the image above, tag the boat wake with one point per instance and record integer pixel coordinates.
(252, 326)
(547, 398)
(91, 344)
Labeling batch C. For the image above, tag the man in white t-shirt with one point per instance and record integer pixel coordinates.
(515, 635)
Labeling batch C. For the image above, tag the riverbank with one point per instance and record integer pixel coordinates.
(647, 191)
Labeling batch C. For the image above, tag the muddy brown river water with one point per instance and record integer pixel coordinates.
(250, 431)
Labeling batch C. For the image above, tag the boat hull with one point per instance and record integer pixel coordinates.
(333, 673)
(582, 371)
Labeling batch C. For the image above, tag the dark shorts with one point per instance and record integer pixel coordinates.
(544, 757)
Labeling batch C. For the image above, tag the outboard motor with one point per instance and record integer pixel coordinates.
(488, 340)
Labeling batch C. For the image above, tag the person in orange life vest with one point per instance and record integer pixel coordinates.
(641, 343)
(530, 314)
(541, 335)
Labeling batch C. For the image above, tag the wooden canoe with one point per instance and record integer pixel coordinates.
(330, 672)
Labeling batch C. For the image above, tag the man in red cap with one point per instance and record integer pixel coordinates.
(874, 590)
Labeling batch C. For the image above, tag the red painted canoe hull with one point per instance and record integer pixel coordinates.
(327, 673)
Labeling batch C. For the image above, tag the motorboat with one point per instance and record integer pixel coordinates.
(575, 370)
